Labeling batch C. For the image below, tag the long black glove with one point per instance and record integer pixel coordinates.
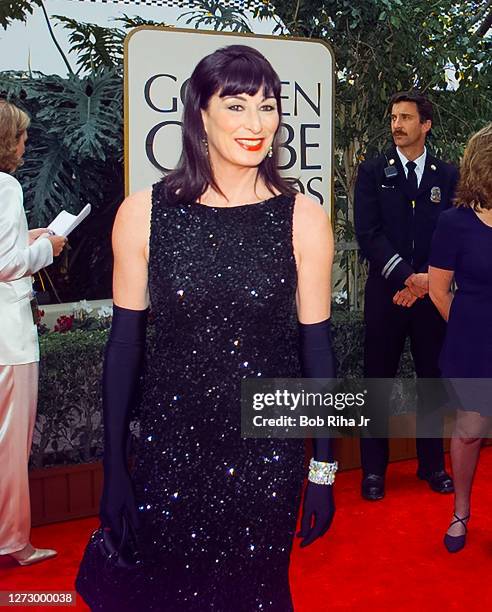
(122, 361)
(318, 361)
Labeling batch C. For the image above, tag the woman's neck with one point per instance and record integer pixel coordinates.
(238, 186)
(486, 214)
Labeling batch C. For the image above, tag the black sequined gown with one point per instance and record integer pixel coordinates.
(218, 512)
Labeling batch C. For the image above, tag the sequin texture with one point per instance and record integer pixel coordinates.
(218, 513)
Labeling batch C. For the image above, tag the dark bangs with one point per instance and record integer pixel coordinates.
(234, 70)
(246, 74)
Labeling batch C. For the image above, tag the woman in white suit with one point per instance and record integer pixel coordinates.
(22, 253)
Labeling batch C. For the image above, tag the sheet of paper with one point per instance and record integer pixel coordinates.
(65, 222)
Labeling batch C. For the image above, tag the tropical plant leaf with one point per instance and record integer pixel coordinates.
(96, 47)
(74, 156)
(83, 113)
(215, 14)
(50, 183)
(16, 10)
(13, 85)
(129, 22)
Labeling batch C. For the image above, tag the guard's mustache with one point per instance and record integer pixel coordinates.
(399, 133)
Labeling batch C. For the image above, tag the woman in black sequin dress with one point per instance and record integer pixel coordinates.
(223, 252)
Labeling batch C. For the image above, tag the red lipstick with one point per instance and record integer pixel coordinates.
(250, 147)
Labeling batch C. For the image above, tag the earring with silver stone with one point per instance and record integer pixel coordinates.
(205, 144)
(270, 151)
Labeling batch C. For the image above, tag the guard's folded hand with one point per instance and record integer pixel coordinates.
(404, 298)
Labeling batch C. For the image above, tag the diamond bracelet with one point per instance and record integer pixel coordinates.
(321, 472)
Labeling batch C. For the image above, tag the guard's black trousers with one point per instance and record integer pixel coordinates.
(386, 328)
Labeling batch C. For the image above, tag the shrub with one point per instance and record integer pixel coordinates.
(68, 427)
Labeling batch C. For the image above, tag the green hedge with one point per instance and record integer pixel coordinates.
(68, 428)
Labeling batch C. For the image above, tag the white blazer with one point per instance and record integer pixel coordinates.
(18, 261)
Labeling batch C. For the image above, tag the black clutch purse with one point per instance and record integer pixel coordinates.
(107, 565)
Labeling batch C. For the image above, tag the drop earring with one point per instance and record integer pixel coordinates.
(205, 144)
(270, 151)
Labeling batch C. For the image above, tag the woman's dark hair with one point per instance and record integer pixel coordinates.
(424, 106)
(228, 71)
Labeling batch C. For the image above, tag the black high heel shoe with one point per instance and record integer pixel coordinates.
(456, 543)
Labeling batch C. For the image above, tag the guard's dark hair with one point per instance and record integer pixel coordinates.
(228, 71)
(424, 106)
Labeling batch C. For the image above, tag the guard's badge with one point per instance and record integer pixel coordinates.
(436, 195)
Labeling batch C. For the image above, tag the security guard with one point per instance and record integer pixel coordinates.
(398, 198)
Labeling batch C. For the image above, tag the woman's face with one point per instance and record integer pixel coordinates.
(240, 128)
(21, 145)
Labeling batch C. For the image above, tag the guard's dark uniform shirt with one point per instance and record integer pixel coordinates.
(394, 227)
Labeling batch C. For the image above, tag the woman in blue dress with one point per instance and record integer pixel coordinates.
(462, 250)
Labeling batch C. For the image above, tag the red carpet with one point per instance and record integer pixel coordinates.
(386, 555)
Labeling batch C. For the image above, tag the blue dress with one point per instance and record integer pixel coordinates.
(463, 243)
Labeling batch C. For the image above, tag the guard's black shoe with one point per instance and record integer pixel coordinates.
(372, 487)
(440, 482)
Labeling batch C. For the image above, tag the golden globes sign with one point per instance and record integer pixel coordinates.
(158, 63)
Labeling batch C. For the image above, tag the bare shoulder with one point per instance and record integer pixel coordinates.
(135, 207)
(133, 216)
(131, 232)
(310, 217)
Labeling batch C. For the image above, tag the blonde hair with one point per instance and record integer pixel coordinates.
(13, 123)
(475, 184)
